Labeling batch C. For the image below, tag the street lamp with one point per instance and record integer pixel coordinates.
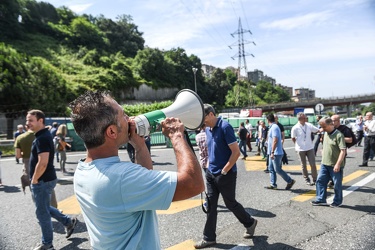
(195, 79)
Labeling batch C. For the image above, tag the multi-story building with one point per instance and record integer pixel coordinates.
(304, 94)
(255, 76)
(287, 89)
(208, 70)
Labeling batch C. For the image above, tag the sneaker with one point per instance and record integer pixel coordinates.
(318, 203)
(204, 244)
(290, 185)
(70, 229)
(270, 187)
(42, 246)
(308, 182)
(250, 230)
(335, 205)
(313, 183)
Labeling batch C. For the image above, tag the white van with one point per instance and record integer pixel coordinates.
(309, 112)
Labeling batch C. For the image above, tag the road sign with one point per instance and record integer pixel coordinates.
(319, 107)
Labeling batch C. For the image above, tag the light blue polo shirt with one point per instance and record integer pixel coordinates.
(218, 140)
(118, 202)
(273, 132)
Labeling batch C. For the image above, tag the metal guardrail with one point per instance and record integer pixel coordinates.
(6, 143)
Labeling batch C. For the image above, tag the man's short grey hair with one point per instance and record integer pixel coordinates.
(327, 120)
(300, 114)
(208, 108)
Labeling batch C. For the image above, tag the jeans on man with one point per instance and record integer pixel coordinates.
(275, 167)
(226, 186)
(325, 174)
(41, 193)
(242, 146)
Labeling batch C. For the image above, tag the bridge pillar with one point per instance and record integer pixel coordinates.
(348, 110)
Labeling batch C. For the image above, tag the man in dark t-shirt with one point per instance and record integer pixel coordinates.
(43, 180)
(242, 134)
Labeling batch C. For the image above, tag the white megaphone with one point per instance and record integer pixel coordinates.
(187, 106)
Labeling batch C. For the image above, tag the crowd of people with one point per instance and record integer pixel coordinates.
(136, 192)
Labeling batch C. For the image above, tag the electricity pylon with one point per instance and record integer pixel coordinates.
(241, 56)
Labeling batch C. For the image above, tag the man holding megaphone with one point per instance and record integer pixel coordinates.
(118, 199)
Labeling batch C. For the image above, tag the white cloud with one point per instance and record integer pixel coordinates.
(78, 8)
(301, 21)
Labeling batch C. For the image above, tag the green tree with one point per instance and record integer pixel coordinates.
(270, 94)
(10, 10)
(150, 65)
(369, 108)
(217, 88)
(122, 35)
(86, 33)
(242, 95)
(37, 15)
(27, 83)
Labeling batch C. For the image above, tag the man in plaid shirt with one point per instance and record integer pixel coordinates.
(200, 139)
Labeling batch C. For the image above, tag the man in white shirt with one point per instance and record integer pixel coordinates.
(249, 127)
(369, 130)
(301, 136)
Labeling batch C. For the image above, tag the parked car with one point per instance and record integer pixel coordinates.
(350, 123)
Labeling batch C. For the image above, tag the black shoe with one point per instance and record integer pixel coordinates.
(250, 230)
(70, 229)
(330, 184)
(266, 171)
(318, 203)
(363, 165)
(335, 205)
(42, 246)
(270, 187)
(290, 185)
(308, 182)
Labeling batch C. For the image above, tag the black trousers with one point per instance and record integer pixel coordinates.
(226, 186)
(359, 135)
(369, 144)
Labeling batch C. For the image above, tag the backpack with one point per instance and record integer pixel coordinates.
(347, 131)
(354, 139)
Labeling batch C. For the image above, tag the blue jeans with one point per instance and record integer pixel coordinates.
(325, 174)
(41, 193)
(275, 167)
(242, 146)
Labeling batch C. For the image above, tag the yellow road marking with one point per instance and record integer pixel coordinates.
(256, 163)
(178, 206)
(71, 206)
(308, 195)
(186, 245)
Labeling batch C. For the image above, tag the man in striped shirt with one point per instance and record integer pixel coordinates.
(200, 139)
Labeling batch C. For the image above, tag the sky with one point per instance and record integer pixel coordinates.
(327, 46)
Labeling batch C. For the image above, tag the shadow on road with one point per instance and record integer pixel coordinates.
(260, 242)
(362, 208)
(10, 189)
(65, 182)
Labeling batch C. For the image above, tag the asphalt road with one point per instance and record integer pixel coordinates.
(286, 219)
